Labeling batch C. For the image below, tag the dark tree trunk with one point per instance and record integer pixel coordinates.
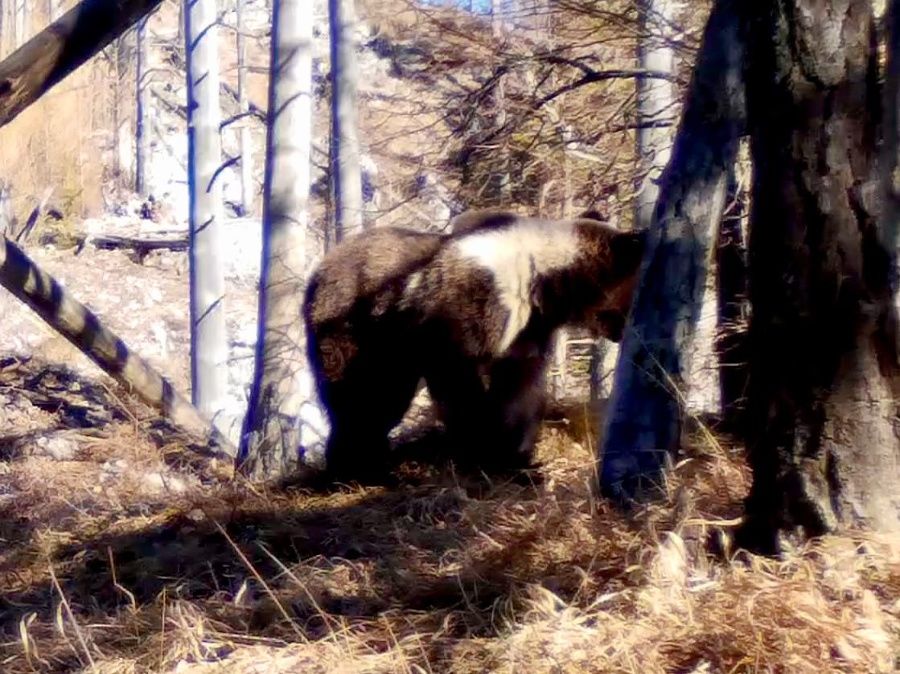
(822, 397)
(731, 341)
(644, 411)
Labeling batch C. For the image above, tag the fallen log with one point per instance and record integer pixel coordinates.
(139, 247)
(20, 275)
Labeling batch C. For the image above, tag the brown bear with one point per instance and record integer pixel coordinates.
(391, 306)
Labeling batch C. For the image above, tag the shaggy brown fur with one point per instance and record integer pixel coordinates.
(498, 217)
(481, 218)
(390, 306)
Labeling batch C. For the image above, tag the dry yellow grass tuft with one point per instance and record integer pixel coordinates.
(129, 574)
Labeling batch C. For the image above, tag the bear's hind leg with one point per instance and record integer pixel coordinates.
(363, 408)
(458, 393)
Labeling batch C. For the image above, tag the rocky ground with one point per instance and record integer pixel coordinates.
(145, 303)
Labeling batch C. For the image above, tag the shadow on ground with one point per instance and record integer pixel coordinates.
(301, 562)
(450, 556)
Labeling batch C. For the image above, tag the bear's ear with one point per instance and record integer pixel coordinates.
(627, 250)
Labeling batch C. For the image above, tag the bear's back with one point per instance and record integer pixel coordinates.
(489, 284)
(360, 267)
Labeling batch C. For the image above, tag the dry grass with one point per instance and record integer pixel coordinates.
(443, 574)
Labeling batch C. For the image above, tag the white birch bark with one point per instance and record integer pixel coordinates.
(281, 385)
(345, 170)
(209, 344)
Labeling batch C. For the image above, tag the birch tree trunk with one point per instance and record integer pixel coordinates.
(247, 188)
(655, 102)
(823, 440)
(142, 121)
(209, 344)
(121, 120)
(643, 422)
(271, 438)
(345, 173)
(9, 26)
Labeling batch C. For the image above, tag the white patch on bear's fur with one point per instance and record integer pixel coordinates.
(516, 256)
(413, 282)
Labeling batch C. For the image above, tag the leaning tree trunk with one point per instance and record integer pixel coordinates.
(345, 173)
(271, 437)
(60, 48)
(209, 345)
(824, 381)
(643, 422)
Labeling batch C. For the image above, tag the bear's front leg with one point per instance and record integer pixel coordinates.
(516, 401)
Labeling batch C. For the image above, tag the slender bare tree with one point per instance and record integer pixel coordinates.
(655, 103)
(23, 22)
(498, 32)
(9, 25)
(247, 189)
(54, 9)
(345, 171)
(271, 437)
(142, 115)
(209, 344)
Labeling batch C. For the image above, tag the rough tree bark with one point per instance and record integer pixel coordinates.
(244, 108)
(271, 437)
(142, 115)
(209, 339)
(345, 173)
(60, 48)
(731, 343)
(824, 381)
(643, 421)
(889, 158)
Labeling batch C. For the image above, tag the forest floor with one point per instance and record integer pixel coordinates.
(119, 552)
(117, 556)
